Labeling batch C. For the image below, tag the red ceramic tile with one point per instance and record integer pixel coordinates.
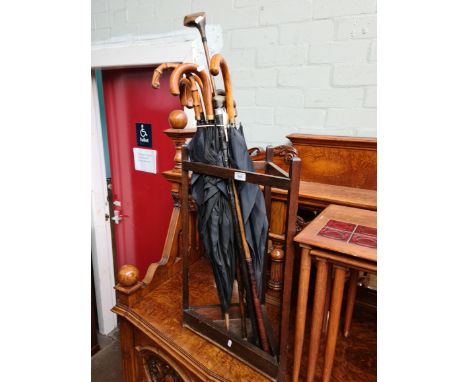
(342, 226)
(366, 230)
(364, 240)
(334, 234)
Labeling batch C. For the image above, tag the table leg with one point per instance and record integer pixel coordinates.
(301, 311)
(352, 288)
(334, 322)
(327, 298)
(317, 316)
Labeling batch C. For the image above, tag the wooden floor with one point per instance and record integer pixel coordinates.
(356, 356)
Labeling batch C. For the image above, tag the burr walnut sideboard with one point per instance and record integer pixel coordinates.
(155, 346)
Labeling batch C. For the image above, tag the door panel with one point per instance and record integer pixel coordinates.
(145, 198)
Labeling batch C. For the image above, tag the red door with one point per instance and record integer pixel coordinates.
(142, 200)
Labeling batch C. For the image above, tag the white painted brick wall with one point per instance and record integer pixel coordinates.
(297, 66)
(305, 32)
(356, 27)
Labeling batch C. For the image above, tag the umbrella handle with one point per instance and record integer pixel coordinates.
(186, 98)
(218, 61)
(194, 80)
(206, 90)
(159, 71)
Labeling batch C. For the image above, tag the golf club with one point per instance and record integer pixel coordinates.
(198, 20)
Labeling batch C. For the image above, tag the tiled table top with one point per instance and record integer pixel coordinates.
(346, 230)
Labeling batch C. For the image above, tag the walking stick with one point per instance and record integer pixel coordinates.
(194, 80)
(206, 90)
(159, 71)
(185, 96)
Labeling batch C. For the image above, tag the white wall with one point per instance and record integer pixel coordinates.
(297, 66)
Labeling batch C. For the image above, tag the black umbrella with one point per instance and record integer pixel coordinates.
(220, 207)
(215, 219)
(252, 203)
(247, 202)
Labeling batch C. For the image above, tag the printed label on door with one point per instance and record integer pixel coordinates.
(145, 160)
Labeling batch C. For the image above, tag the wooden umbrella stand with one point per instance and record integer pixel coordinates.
(203, 319)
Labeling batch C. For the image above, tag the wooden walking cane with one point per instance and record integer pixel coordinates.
(206, 90)
(189, 96)
(197, 107)
(185, 96)
(159, 71)
(218, 61)
(195, 99)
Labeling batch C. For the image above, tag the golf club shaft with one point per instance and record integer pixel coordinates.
(198, 20)
(205, 47)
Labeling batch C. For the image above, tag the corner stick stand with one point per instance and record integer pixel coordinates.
(200, 318)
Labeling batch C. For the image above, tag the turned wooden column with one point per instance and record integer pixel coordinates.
(179, 134)
(276, 235)
(277, 229)
(128, 293)
(275, 282)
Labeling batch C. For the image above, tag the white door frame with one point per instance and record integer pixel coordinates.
(180, 46)
(101, 239)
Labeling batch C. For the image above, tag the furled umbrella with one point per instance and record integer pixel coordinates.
(250, 196)
(215, 217)
(249, 201)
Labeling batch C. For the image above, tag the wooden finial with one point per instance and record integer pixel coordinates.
(178, 119)
(128, 275)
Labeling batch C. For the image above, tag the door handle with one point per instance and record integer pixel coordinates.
(117, 217)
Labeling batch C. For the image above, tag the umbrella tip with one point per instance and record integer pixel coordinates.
(226, 319)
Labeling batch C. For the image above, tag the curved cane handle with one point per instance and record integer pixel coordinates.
(185, 88)
(218, 61)
(206, 91)
(194, 79)
(159, 71)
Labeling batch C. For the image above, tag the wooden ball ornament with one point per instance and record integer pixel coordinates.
(177, 119)
(128, 275)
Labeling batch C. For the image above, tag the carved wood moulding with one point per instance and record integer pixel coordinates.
(156, 368)
(284, 152)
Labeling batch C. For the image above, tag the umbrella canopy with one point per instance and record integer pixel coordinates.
(215, 217)
(252, 203)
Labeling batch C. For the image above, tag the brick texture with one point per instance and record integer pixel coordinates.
(296, 66)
